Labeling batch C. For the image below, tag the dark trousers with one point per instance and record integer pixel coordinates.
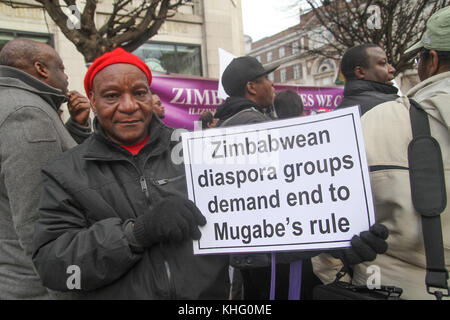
(256, 282)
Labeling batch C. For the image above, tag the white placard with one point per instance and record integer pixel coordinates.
(294, 184)
(225, 59)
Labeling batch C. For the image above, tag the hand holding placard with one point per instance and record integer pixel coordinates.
(294, 184)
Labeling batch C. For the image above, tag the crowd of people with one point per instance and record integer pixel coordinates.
(98, 210)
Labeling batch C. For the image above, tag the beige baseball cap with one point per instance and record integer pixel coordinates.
(437, 34)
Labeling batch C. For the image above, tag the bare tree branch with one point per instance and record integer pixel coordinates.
(128, 25)
(402, 25)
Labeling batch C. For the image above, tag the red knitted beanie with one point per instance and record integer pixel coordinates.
(117, 55)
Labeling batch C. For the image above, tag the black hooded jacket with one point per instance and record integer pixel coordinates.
(367, 94)
(238, 111)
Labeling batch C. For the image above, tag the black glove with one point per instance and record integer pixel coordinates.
(173, 219)
(366, 246)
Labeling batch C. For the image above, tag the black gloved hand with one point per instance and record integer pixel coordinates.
(173, 219)
(366, 246)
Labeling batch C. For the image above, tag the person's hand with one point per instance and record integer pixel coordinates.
(366, 246)
(79, 107)
(174, 219)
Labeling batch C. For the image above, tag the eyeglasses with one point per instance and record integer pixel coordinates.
(418, 57)
(422, 54)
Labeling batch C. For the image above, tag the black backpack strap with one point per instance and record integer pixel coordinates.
(429, 196)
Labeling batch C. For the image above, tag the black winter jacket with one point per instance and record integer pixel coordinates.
(367, 94)
(249, 112)
(91, 195)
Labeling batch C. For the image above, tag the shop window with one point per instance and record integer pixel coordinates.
(281, 52)
(172, 57)
(298, 71)
(295, 48)
(283, 75)
(8, 35)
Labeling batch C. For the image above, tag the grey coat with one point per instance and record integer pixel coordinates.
(31, 133)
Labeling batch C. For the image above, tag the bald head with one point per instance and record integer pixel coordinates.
(37, 59)
(21, 53)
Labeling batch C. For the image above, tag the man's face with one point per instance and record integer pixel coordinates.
(214, 122)
(122, 100)
(378, 68)
(158, 108)
(56, 75)
(265, 92)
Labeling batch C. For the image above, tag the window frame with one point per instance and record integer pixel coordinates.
(30, 35)
(176, 60)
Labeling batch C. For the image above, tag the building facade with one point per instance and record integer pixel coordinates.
(187, 43)
(286, 49)
(297, 65)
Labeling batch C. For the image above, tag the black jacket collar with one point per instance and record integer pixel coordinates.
(102, 148)
(354, 87)
(233, 105)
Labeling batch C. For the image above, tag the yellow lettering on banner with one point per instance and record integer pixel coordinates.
(7, 11)
(19, 12)
(171, 27)
(36, 14)
(27, 13)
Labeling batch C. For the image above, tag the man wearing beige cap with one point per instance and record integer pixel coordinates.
(387, 133)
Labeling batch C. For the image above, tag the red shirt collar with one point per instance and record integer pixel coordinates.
(135, 148)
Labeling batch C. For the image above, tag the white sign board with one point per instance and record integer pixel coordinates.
(294, 184)
(225, 59)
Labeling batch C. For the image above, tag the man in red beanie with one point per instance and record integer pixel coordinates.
(115, 221)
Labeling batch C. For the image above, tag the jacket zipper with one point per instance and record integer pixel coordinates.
(172, 294)
(162, 182)
(144, 188)
(171, 287)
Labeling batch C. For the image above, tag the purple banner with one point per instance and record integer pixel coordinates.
(185, 98)
(319, 99)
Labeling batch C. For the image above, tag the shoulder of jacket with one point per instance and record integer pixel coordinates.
(387, 118)
(19, 96)
(388, 110)
(387, 126)
(15, 100)
(67, 160)
(249, 115)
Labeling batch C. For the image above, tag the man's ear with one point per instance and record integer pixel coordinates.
(251, 88)
(433, 63)
(360, 73)
(92, 101)
(41, 69)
